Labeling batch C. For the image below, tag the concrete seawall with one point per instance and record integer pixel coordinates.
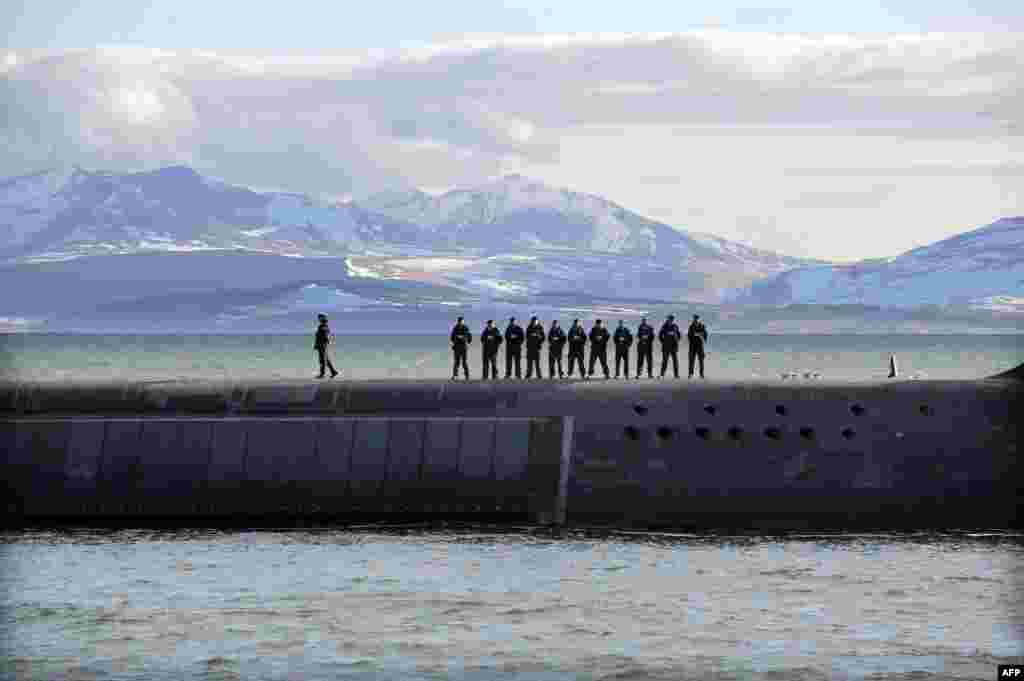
(646, 454)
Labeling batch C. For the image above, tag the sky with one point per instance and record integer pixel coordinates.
(838, 131)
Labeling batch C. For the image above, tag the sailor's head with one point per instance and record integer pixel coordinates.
(533, 319)
(598, 322)
(671, 318)
(696, 317)
(322, 317)
(622, 323)
(490, 322)
(575, 322)
(511, 320)
(459, 320)
(643, 320)
(554, 322)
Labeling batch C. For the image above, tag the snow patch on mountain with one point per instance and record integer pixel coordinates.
(517, 209)
(354, 270)
(263, 231)
(432, 264)
(542, 238)
(999, 303)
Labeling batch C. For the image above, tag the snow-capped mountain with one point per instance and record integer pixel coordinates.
(518, 213)
(71, 213)
(540, 239)
(90, 247)
(511, 236)
(981, 268)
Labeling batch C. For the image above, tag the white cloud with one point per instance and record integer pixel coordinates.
(781, 123)
(637, 88)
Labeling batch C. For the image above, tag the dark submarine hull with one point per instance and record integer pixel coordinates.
(672, 455)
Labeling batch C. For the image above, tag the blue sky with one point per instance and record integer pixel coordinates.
(386, 23)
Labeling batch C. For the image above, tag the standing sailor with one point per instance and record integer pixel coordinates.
(623, 340)
(461, 338)
(513, 347)
(644, 348)
(697, 334)
(556, 341)
(535, 338)
(490, 340)
(669, 337)
(577, 339)
(599, 348)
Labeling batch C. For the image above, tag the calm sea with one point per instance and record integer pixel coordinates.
(729, 357)
(483, 603)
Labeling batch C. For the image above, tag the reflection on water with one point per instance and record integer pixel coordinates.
(481, 602)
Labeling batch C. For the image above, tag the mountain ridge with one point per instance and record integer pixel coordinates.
(510, 238)
(982, 267)
(480, 204)
(58, 214)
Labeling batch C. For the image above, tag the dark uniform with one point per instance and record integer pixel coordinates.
(513, 349)
(323, 339)
(461, 338)
(535, 338)
(556, 341)
(577, 339)
(697, 334)
(644, 349)
(623, 339)
(599, 349)
(490, 339)
(669, 337)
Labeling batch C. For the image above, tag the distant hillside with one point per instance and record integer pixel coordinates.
(510, 236)
(983, 268)
(73, 213)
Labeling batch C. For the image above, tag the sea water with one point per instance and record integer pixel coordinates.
(482, 603)
(797, 357)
